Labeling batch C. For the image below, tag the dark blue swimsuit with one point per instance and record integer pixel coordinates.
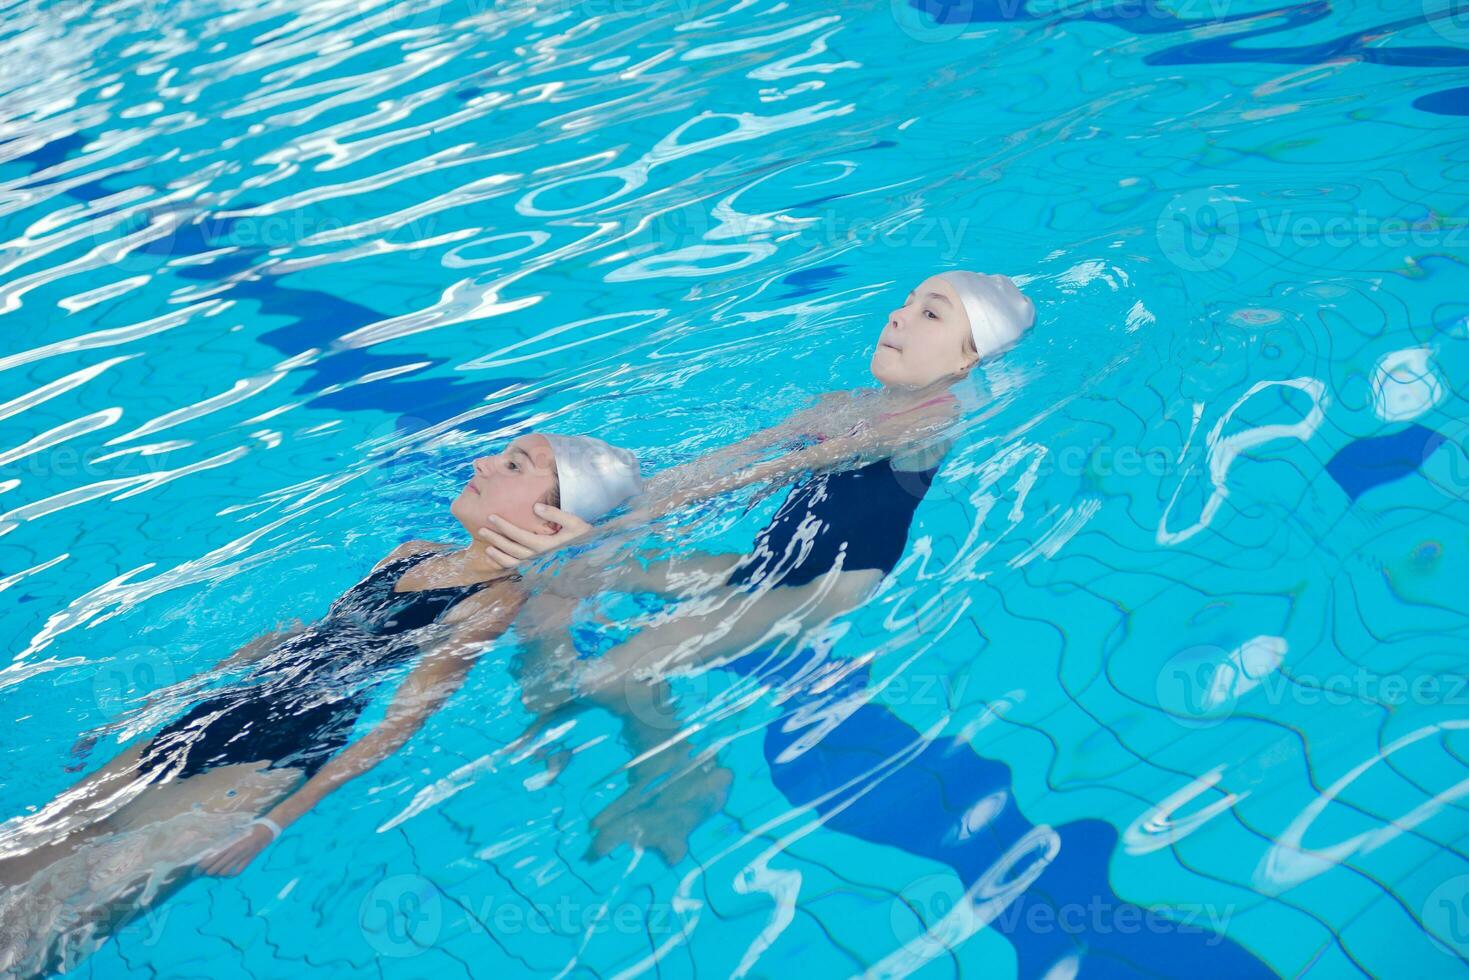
(832, 751)
(299, 706)
(859, 518)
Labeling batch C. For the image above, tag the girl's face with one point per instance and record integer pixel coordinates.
(509, 484)
(926, 339)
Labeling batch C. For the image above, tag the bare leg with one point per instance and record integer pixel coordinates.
(674, 575)
(75, 816)
(666, 575)
(672, 788)
(130, 862)
(730, 622)
(546, 668)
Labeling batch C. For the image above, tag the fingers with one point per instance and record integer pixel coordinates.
(499, 541)
(228, 862)
(230, 859)
(601, 845)
(532, 542)
(567, 520)
(211, 864)
(672, 850)
(500, 558)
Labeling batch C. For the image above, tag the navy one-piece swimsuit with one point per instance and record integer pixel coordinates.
(858, 517)
(304, 697)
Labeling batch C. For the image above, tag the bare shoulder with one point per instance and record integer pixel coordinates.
(833, 413)
(491, 609)
(407, 548)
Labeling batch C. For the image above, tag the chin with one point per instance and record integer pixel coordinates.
(459, 509)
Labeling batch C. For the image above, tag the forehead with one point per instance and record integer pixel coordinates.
(537, 448)
(936, 284)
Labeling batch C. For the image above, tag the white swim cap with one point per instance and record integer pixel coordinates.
(595, 477)
(998, 311)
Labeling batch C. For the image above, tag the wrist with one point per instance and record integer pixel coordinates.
(270, 825)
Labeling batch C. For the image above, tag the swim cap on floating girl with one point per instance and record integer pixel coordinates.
(595, 477)
(999, 313)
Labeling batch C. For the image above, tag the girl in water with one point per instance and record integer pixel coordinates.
(855, 765)
(212, 789)
(840, 531)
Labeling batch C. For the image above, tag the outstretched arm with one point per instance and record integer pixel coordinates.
(887, 436)
(243, 657)
(881, 438)
(672, 787)
(438, 674)
(805, 422)
(247, 654)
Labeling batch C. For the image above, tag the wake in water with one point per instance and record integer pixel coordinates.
(61, 915)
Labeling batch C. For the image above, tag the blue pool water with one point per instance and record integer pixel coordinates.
(1172, 678)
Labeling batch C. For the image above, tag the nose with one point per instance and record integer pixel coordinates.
(479, 465)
